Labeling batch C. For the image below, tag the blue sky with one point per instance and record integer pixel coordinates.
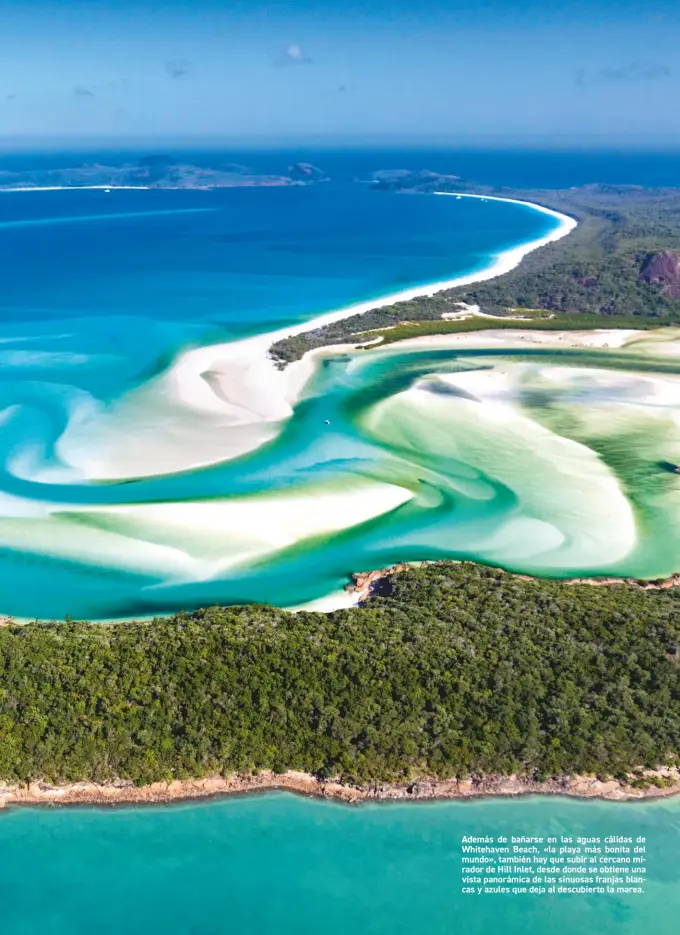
(476, 74)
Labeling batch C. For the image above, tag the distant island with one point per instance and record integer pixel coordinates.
(159, 172)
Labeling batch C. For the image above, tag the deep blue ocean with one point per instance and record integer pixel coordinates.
(99, 293)
(236, 261)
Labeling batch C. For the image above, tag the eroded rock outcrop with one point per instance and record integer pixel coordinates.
(663, 270)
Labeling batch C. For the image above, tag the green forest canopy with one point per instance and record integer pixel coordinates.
(590, 275)
(456, 670)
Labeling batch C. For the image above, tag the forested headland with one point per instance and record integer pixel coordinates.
(452, 670)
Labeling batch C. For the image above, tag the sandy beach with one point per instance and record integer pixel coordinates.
(69, 188)
(218, 402)
(221, 401)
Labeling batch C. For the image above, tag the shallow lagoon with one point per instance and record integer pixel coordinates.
(552, 459)
(117, 499)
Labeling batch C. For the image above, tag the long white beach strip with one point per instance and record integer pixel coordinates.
(245, 394)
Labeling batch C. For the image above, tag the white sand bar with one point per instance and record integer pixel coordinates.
(221, 401)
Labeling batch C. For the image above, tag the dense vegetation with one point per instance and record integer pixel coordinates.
(593, 271)
(454, 670)
(545, 322)
(596, 268)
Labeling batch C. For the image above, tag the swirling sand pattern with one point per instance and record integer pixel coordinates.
(539, 459)
(138, 480)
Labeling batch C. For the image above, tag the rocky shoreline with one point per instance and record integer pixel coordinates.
(366, 583)
(124, 792)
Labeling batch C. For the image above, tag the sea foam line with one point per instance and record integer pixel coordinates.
(74, 188)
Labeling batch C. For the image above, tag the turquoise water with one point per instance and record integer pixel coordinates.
(544, 459)
(283, 864)
(143, 469)
(101, 295)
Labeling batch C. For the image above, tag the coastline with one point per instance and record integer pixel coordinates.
(78, 188)
(191, 390)
(159, 188)
(636, 784)
(247, 392)
(125, 793)
(363, 581)
(502, 262)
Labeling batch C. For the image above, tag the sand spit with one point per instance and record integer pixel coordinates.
(233, 392)
(124, 792)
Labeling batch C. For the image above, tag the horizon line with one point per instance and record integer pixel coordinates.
(40, 146)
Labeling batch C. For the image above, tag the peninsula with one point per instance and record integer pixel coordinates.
(450, 679)
(619, 268)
